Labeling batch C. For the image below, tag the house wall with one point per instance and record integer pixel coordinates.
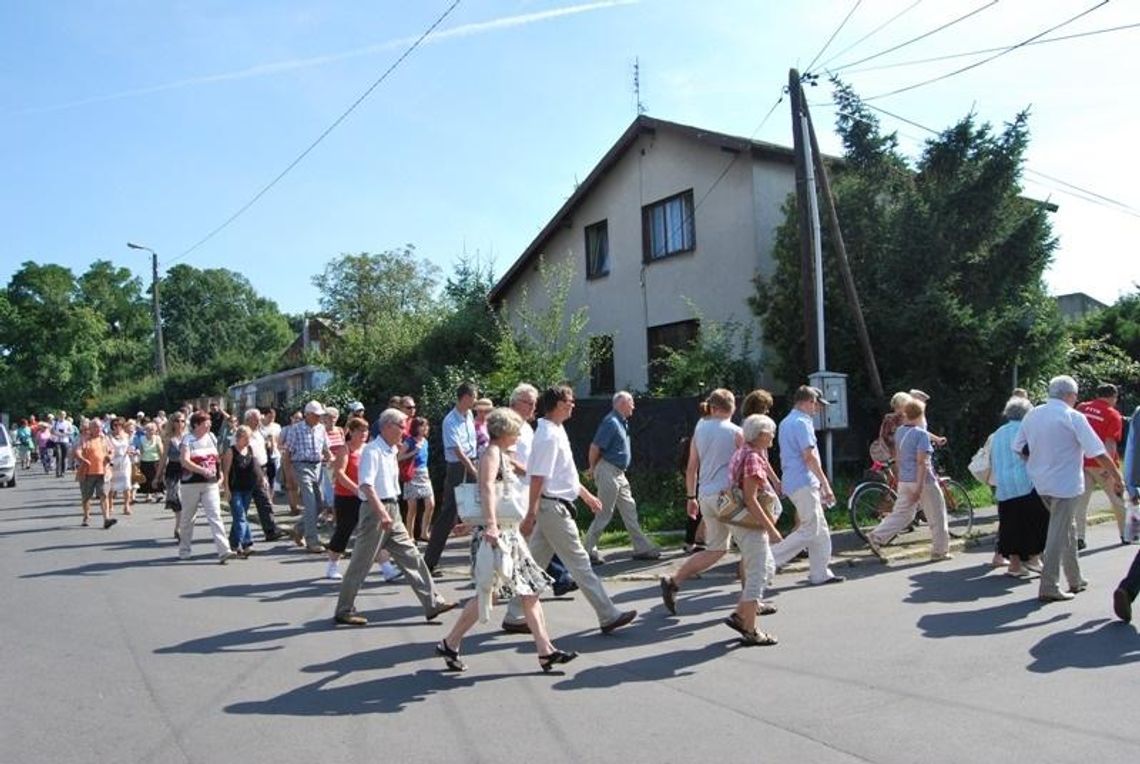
(734, 232)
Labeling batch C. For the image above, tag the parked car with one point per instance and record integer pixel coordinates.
(7, 459)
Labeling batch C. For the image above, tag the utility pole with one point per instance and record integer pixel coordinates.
(795, 92)
(844, 265)
(159, 351)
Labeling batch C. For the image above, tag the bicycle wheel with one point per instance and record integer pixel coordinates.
(869, 503)
(959, 508)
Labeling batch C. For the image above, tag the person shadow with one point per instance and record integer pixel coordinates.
(968, 584)
(1000, 619)
(1097, 643)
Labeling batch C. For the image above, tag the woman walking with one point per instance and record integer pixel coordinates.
(346, 498)
(417, 487)
(241, 474)
(150, 454)
(498, 548)
(121, 464)
(170, 466)
(1023, 521)
(198, 488)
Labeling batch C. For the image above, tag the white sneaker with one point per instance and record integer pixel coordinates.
(390, 572)
(333, 572)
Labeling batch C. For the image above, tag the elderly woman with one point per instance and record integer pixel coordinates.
(749, 470)
(526, 579)
(336, 446)
(198, 488)
(121, 465)
(346, 499)
(150, 454)
(1023, 520)
(241, 474)
(918, 486)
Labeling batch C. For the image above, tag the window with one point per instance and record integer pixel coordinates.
(602, 365)
(661, 339)
(597, 250)
(667, 227)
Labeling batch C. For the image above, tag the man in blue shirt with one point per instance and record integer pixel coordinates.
(609, 458)
(459, 453)
(807, 487)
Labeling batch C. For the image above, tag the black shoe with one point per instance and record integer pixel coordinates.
(620, 621)
(1081, 544)
(440, 609)
(451, 657)
(1122, 604)
(547, 662)
(669, 595)
(561, 590)
(109, 522)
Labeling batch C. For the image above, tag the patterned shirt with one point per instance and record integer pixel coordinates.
(305, 443)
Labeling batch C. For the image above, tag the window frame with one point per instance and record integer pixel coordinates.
(686, 199)
(602, 225)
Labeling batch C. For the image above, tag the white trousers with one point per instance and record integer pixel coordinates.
(814, 535)
(902, 515)
(204, 496)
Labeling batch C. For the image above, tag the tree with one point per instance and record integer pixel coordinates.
(948, 259)
(720, 356)
(214, 312)
(366, 289)
(1118, 324)
(114, 294)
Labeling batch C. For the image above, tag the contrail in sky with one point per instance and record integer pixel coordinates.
(277, 67)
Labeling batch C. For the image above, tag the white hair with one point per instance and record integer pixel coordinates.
(752, 427)
(521, 390)
(250, 414)
(392, 416)
(1061, 386)
(622, 395)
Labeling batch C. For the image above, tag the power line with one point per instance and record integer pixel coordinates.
(336, 123)
(870, 34)
(964, 54)
(913, 40)
(1003, 52)
(838, 29)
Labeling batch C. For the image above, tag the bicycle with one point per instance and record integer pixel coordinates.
(872, 500)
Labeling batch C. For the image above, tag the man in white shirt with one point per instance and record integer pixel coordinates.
(261, 498)
(380, 527)
(1054, 437)
(553, 488)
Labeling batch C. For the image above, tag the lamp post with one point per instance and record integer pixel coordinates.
(159, 352)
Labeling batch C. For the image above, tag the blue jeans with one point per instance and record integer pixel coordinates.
(240, 537)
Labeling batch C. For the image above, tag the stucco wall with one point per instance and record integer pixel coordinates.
(734, 227)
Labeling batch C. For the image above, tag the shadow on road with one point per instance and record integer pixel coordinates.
(960, 585)
(1000, 619)
(1094, 644)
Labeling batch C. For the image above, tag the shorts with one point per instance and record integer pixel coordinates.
(92, 485)
(419, 487)
(717, 534)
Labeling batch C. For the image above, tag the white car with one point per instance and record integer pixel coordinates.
(7, 459)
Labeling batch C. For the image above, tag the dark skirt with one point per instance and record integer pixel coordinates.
(1023, 523)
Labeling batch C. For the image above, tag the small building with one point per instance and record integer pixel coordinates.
(1077, 305)
(673, 223)
(277, 389)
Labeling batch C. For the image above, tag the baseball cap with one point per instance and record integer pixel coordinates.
(314, 407)
(809, 393)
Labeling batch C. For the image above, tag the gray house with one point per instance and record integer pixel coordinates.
(673, 217)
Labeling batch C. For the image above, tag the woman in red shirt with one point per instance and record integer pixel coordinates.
(346, 501)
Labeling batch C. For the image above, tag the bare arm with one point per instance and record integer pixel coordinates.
(752, 487)
(1106, 461)
(468, 465)
(341, 475)
(692, 469)
(227, 462)
(593, 457)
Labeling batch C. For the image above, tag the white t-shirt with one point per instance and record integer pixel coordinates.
(551, 458)
(523, 444)
(378, 468)
(257, 446)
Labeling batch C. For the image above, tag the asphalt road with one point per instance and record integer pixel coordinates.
(117, 652)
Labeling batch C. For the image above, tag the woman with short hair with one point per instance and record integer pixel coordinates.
(417, 487)
(346, 493)
(198, 488)
(1023, 520)
(527, 580)
(150, 455)
(121, 464)
(241, 474)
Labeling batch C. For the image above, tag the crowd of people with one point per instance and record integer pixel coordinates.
(511, 484)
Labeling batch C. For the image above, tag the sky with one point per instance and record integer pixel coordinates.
(155, 121)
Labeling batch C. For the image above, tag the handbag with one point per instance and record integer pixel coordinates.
(981, 466)
(137, 476)
(511, 498)
(879, 451)
(731, 508)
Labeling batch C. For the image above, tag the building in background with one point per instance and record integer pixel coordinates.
(277, 389)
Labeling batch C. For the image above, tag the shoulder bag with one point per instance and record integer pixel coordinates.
(511, 499)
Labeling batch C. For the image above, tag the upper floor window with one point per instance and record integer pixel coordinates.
(667, 227)
(597, 250)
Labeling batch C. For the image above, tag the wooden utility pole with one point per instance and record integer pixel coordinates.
(841, 257)
(796, 93)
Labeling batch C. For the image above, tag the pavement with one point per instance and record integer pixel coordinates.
(118, 652)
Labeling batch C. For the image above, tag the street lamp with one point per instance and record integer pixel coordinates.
(159, 352)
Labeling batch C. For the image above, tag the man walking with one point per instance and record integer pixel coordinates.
(807, 486)
(1108, 424)
(459, 453)
(307, 446)
(550, 514)
(1053, 437)
(609, 458)
(261, 496)
(380, 527)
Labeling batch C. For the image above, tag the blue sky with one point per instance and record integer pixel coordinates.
(154, 121)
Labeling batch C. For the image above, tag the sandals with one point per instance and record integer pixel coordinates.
(758, 639)
(733, 621)
(669, 594)
(451, 657)
(547, 662)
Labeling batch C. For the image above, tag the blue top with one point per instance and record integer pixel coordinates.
(1131, 458)
(1007, 467)
(458, 432)
(420, 460)
(612, 439)
(796, 434)
(910, 441)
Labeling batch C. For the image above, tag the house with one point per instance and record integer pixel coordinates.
(1077, 305)
(278, 389)
(672, 224)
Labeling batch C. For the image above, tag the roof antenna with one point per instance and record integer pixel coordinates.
(637, 86)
